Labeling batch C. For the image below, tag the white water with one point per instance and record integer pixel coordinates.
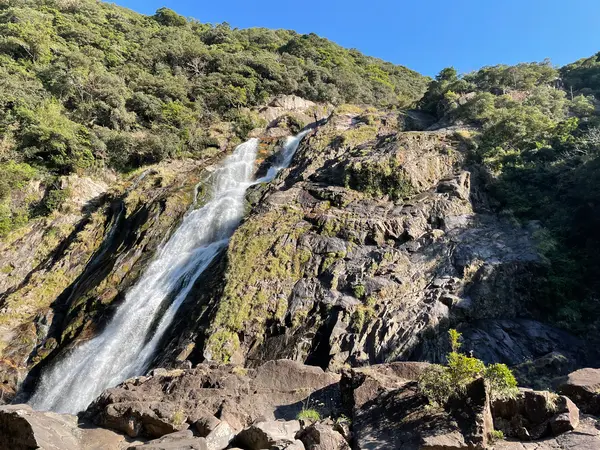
(126, 346)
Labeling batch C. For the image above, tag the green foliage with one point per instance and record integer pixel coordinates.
(310, 415)
(439, 383)
(496, 435)
(539, 141)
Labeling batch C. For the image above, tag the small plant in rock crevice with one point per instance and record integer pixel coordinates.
(309, 415)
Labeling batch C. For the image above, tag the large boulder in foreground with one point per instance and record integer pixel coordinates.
(583, 387)
(388, 411)
(168, 401)
(22, 428)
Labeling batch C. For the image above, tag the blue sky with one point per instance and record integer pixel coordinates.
(425, 35)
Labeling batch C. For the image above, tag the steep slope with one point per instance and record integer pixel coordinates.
(368, 248)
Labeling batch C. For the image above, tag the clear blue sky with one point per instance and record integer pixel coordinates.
(424, 35)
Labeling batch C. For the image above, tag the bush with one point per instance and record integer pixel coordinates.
(440, 383)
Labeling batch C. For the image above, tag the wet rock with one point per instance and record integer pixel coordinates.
(583, 387)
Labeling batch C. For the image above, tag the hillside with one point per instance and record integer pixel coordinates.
(88, 85)
(205, 229)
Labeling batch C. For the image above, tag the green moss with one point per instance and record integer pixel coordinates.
(363, 314)
(378, 177)
(359, 135)
(358, 290)
(264, 263)
(330, 259)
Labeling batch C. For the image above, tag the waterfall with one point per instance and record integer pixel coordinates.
(126, 346)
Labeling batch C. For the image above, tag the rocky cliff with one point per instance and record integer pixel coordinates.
(367, 249)
(372, 244)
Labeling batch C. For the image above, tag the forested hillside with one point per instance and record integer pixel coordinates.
(536, 131)
(87, 85)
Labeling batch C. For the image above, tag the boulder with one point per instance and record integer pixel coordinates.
(322, 436)
(157, 405)
(585, 437)
(535, 414)
(264, 435)
(22, 428)
(141, 418)
(181, 440)
(583, 387)
(388, 411)
(220, 436)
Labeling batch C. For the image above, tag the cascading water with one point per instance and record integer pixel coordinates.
(126, 346)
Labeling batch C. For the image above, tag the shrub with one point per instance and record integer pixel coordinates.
(439, 383)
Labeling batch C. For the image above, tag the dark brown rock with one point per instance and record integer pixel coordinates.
(264, 435)
(322, 436)
(585, 437)
(164, 403)
(389, 412)
(583, 387)
(535, 414)
(182, 440)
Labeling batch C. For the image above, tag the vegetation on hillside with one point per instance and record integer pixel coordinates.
(87, 85)
(537, 131)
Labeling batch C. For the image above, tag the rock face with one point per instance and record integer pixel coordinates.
(366, 250)
(74, 269)
(223, 407)
(586, 437)
(389, 412)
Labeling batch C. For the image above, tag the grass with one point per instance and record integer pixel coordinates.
(309, 414)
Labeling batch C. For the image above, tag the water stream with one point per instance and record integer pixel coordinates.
(127, 345)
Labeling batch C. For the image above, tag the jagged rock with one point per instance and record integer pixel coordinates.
(220, 436)
(67, 271)
(21, 428)
(541, 373)
(361, 230)
(322, 436)
(206, 424)
(512, 341)
(583, 387)
(137, 418)
(182, 440)
(264, 435)
(389, 412)
(276, 390)
(535, 414)
(585, 437)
